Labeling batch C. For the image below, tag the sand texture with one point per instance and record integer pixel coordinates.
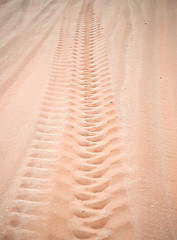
(88, 120)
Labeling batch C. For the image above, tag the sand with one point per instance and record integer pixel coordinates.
(88, 110)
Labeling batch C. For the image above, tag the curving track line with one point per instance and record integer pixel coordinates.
(84, 158)
(92, 138)
(27, 217)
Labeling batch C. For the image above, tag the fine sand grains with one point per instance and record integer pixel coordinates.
(73, 180)
(88, 120)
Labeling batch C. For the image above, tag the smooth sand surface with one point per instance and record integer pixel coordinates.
(88, 119)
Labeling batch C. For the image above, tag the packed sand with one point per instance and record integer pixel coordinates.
(88, 119)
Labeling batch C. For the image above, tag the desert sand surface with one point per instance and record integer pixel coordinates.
(88, 119)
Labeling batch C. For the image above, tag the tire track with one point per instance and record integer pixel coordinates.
(91, 136)
(28, 215)
(88, 172)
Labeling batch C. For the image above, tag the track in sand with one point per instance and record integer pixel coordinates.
(89, 159)
(88, 120)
